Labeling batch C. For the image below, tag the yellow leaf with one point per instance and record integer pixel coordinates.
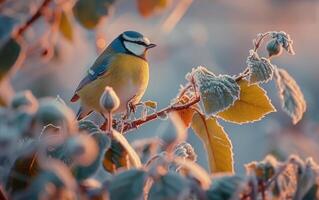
(65, 27)
(151, 104)
(186, 116)
(252, 105)
(133, 156)
(149, 7)
(217, 143)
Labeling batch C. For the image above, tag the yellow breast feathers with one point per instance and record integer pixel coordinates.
(128, 75)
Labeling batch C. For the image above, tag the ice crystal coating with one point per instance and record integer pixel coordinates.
(261, 70)
(217, 92)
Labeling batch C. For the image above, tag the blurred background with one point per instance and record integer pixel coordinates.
(213, 33)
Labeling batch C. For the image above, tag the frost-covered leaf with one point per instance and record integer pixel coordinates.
(169, 187)
(260, 69)
(252, 105)
(191, 168)
(56, 113)
(148, 7)
(26, 166)
(217, 92)
(217, 143)
(265, 169)
(186, 151)
(84, 172)
(146, 148)
(65, 26)
(171, 138)
(225, 188)
(24, 100)
(285, 40)
(293, 102)
(128, 185)
(89, 126)
(90, 12)
(120, 155)
(306, 178)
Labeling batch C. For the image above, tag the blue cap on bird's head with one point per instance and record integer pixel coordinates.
(135, 43)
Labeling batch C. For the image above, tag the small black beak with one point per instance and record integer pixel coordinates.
(151, 46)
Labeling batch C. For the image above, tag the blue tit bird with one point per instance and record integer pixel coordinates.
(122, 66)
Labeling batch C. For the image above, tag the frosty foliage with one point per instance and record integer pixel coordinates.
(217, 92)
(293, 102)
(186, 151)
(284, 39)
(45, 153)
(261, 70)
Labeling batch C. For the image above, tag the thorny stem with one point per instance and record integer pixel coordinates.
(33, 18)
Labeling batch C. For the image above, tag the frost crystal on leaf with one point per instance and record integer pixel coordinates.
(285, 40)
(293, 102)
(217, 92)
(261, 70)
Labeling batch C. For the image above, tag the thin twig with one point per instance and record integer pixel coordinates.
(33, 18)
(134, 124)
(259, 39)
(176, 15)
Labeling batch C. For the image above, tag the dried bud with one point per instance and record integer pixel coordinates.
(109, 101)
(274, 48)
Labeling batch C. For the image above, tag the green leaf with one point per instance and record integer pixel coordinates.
(217, 143)
(168, 187)
(225, 187)
(292, 99)
(217, 92)
(90, 12)
(128, 185)
(252, 105)
(65, 27)
(10, 52)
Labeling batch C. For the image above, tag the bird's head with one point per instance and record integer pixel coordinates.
(135, 43)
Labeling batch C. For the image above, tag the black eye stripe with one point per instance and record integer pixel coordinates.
(136, 42)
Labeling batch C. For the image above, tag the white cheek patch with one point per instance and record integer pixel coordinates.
(134, 48)
(143, 39)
